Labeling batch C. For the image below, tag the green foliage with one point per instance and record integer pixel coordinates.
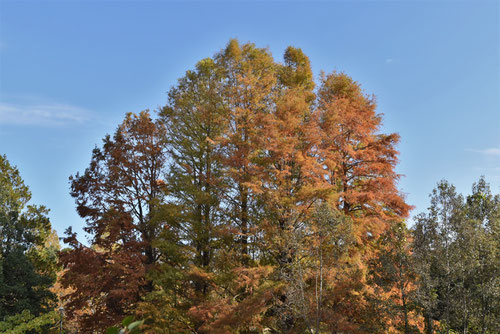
(456, 257)
(28, 246)
(22, 287)
(392, 272)
(25, 322)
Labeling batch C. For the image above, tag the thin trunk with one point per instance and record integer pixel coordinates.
(201, 246)
(466, 311)
(403, 299)
(244, 224)
(320, 297)
(485, 310)
(446, 224)
(429, 326)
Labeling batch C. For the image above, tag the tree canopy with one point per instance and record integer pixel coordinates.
(255, 200)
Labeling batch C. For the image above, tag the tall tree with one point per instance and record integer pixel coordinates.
(120, 196)
(195, 118)
(249, 81)
(359, 163)
(289, 180)
(434, 240)
(247, 77)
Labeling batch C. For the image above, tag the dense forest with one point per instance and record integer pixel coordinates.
(257, 200)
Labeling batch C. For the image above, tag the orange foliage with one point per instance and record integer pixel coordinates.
(277, 196)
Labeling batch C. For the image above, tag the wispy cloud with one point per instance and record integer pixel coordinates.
(389, 61)
(488, 169)
(52, 114)
(493, 151)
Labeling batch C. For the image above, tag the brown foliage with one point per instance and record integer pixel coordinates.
(119, 196)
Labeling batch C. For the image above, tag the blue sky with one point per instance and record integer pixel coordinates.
(69, 71)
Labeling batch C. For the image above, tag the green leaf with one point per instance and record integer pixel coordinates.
(128, 320)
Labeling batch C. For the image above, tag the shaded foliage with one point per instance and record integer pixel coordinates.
(27, 252)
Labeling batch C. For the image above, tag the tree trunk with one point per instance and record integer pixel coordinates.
(244, 224)
(403, 299)
(428, 324)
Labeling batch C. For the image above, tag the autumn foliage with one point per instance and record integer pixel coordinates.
(255, 201)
